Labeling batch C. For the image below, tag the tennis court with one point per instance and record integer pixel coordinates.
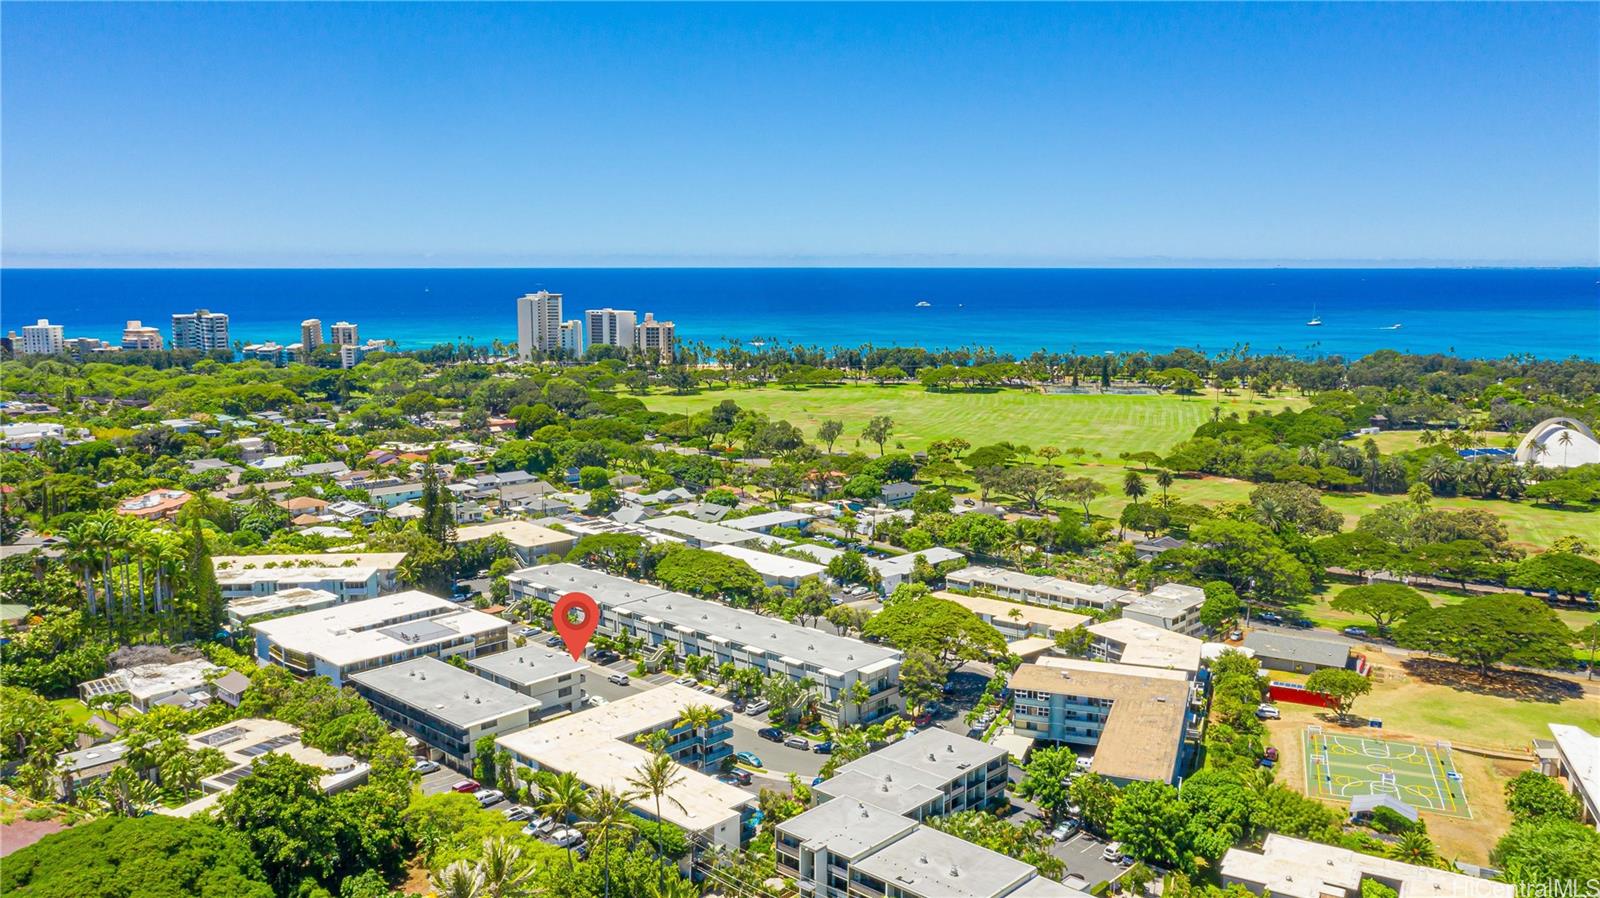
(1341, 767)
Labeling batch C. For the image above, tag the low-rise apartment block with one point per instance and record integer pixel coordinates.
(1015, 620)
(597, 746)
(702, 535)
(1128, 641)
(548, 676)
(775, 570)
(447, 708)
(1295, 868)
(347, 639)
(1138, 721)
(289, 601)
(1053, 591)
(687, 626)
(927, 774)
(528, 540)
(352, 576)
(1170, 606)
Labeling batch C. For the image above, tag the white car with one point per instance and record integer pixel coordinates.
(487, 797)
(595, 701)
(425, 766)
(759, 706)
(1112, 852)
(1265, 711)
(518, 812)
(565, 838)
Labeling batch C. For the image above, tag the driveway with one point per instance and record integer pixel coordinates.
(778, 760)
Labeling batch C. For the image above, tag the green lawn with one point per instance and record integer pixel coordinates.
(1531, 526)
(1319, 609)
(76, 710)
(1109, 425)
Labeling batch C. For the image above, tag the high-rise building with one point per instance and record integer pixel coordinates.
(311, 334)
(43, 338)
(137, 336)
(538, 324)
(351, 354)
(655, 337)
(82, 348)
(201, 329)
(611, 327)
(572, 338)
(344, 334)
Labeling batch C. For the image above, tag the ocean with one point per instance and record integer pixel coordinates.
(1549, 313)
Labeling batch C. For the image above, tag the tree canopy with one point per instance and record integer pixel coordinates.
(136, 857)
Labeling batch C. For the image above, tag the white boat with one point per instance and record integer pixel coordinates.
(1392, 327)
(1316, 320)
(924, 304)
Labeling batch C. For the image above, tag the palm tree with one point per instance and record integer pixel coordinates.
(459, 880)
(1133, 486)
(503, 869)
(608, 816)
(1565, 442)
(1164, 479)
(83, 554)
(654, 779)
(564, 799)
(1415, 847)
(699, 717)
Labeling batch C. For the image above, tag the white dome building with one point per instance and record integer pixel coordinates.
(1559, 443)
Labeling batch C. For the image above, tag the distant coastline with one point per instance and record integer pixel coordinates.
(1470, 312)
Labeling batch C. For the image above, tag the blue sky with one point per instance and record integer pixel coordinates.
(224, 134)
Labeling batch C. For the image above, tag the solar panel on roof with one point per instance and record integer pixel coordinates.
(261, 748)
(222, 737)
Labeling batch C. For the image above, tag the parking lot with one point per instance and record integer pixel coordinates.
(1082, 855)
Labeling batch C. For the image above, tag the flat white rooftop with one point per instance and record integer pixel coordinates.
(456, 696)
(937, 865)
(362, 631)
(1296, 868)
(769, 565)
(527, 665)
(519, 533)
(1147, 645)
(1017, 613)
(700, 531)
(596, 746)
(293, 599)
(769, 519)
(1068, 591)
(350, 566)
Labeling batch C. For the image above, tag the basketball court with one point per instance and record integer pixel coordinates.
(1341, 767)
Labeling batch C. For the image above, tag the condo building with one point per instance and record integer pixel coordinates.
(352, 576)
(684, 626)
(571, 340)
(653, 337)
(599, 747)
(610, 327)
(548, 676)
(1140, 722)
(445, 707)
(138, 336)
(310, 334)
(1052, 591)
(42, 338)
(347, 639)
(345, 334)
(1295, 868)
(538, 324)
(201, 329)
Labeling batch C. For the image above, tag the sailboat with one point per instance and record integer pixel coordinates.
(924, 304)
(1316, 320)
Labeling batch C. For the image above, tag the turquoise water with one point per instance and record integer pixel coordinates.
(1551, 313)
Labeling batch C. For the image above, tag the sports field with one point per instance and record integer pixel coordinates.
(1340, 767)
(1108, 425)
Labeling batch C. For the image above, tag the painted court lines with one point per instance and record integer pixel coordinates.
(1341, 767)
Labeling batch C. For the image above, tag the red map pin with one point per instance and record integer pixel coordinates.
(576, 615)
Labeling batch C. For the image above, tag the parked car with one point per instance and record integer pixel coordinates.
(595, 701)
(530, 631)
(707, 688)
(736, 777)
(1064, 831)
(606, 656)
(799, 742)
(467, 786)
(618, 679)
(1355, 632)
(532, 829)
(1265, 711)
(1236, 635)
(771, 734)
(685, 681)
(1112, 852)
(759, 706)
(823, 748)
(518, 812)
(553, 641)
(425, 766)
(749, 759)
(489, 797)
(1270, 617)
(565, 838)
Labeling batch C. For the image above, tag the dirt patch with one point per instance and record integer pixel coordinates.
(416, 881)
(20, 833)
(1517, 685)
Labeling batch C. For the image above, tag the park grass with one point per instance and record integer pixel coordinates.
(1108, 425)
(1320, 610)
